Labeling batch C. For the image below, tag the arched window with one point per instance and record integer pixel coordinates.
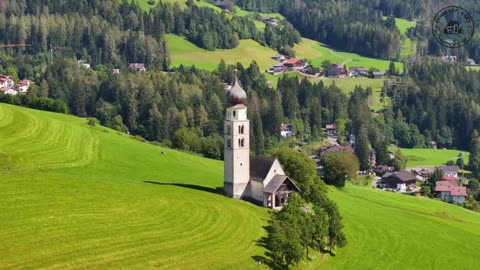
(234, 113)
(228, 130)
(241, 142)
(241, 129)
(229, 143)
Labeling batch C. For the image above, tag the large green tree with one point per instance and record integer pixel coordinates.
(339, 167)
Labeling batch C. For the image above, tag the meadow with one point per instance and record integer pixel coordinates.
(431, 157)
(75, 196)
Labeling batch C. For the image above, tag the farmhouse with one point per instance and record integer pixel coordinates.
(358, 71)
(6, 81)
(8, 91)
(23, 86)
(449, 170)
(378, 74)
(286, 130)
(278, 67)
(337, 71)
(448, 191)
(399, 180)
(332, 149)
(258, 179)
(137, 67)
(294, 63)
(271, 20)
(279, 57)
(331, 129)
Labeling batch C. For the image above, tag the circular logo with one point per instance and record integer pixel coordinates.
(453, 27)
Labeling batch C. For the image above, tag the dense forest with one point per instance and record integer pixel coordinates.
(115, 34)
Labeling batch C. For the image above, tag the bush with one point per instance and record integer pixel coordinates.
(139, 138)
(151, 2)
(92, 121)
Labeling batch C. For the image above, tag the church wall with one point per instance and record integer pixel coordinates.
(275, 169)
(256, 190)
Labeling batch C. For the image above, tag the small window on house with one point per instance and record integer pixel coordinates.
(229, 143)
(242, 142)
(234, 113)
(241, 129)
(241, 164)
(228, 131)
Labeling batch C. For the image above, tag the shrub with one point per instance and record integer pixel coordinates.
(92, 121)
(151, 2)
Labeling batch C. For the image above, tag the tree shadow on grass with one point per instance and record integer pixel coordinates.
(267, 258)
(217, 190)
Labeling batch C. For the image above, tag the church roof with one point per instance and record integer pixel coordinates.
(236, 94)
(276, 182)
(259, 167)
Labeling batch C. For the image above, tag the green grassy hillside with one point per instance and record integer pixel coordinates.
(431, 157)
(75, 196)
(184, 52)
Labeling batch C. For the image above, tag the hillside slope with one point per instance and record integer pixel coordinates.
(79, 197)
(73, 196)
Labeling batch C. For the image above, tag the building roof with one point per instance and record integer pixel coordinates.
(378, 73)
(449, 168)
(402, 176)
(330, 126)
(236, 94)
(292, 61)
(447, 186)
(259, 167)
(334, 148)
(286, 127)
(276, 182)
(136, 65)
(449, 178)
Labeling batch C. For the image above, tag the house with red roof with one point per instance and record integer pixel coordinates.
(294, 63)
(451, 192)
(23, 86)
(140, 67)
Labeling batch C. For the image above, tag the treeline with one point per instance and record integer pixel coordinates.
(440, 103)
(345, 25)
(44, 104)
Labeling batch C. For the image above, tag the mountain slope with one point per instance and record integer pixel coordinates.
(74, 196)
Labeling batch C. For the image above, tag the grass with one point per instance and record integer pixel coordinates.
(74, 196)
(431, 157)
(184, 52)
(317, 52)
(473, 68)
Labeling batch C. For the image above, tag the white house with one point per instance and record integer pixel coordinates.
(258, 179)
(449, 170)
(23, 86)
(6, 81)
(286, 130)
(9, 91)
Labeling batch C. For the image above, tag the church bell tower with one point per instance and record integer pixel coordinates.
(237, 144)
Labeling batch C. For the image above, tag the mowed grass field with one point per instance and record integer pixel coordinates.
(74, 196)
(431, 157)
(183, 52)
(317, 52)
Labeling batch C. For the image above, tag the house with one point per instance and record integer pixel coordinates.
(448, 191)
(450, 58)
(279, 57)
(332, 149)
(381, 170)
(449, 170)
(137, 67)
(6, 81)
(470, 62)
(450, 178)
(399, 180)
(358, 71)
(331, 129)
(116, 71)
(278, 67)
(294, 63)
(83, 63)
(286, 130)
(261, 180)
(9, 91)
(271, 20)
(378, 74)
(23, 86)
(337, 71)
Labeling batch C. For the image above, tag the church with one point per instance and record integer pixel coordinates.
(261, 180)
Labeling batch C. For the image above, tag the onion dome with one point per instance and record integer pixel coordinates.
(236, 94)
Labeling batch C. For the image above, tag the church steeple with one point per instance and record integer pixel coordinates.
(237, 144)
